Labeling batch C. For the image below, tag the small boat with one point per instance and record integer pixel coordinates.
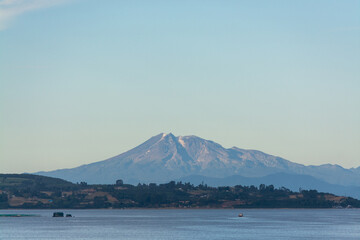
(240, 215)
(68, 215)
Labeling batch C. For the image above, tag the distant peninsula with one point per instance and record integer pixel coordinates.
(27, 191)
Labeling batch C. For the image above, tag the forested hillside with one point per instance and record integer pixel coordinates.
(32, 191)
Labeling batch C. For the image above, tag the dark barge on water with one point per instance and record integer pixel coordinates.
(61, 214)
(58, 214)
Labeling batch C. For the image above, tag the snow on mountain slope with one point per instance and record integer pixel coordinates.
(165, 157)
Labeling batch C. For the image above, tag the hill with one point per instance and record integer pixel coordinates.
(29, 181)
(30, 191)
(293, 182)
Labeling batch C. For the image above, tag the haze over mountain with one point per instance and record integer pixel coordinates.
(165, 157)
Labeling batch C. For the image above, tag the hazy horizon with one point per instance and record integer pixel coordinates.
(83, 81)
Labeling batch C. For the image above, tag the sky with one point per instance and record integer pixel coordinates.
(85, 80)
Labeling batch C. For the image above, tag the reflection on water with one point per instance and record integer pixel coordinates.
(184, 224)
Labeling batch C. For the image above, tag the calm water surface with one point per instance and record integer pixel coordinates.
(184, 224)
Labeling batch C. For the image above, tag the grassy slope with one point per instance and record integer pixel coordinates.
(21, 181)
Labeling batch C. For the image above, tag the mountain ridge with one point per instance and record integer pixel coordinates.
(164, 157)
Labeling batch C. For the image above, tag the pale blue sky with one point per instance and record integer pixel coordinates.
(84, 80)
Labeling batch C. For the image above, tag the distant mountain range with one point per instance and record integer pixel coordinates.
(165, 157)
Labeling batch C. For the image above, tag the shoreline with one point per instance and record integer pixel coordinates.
(172, 208)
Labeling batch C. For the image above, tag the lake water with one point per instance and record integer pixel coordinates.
(184, 224)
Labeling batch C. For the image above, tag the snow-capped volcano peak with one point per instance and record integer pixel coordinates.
(166, 134)
(165, 157)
